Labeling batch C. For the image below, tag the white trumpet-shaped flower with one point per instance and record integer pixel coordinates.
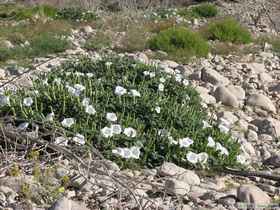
(86, 101)
(192, 157)
(161, 87)
(49, 117)
(4, 100)
(203, 157)
(23, 126)
(68, 122)
(211, 142)
(185, 142)
(107, 132)
(157, 109)
(79, 139)
(27, 101)
(116, 129)
(130, 132)
(222, 149)
(119, 91)
(135, 93)
(112, 117)
(90, 110)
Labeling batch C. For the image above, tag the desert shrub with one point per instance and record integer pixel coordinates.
(99, 41)
(135, 114)
(4, 54)
(48, 43)
(156, 27)
(274, 41)
(180, 41)
(228, 30)
(76, 14)
(135, 39)
(205, 10)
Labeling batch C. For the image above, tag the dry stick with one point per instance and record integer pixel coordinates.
(270, 19)
(25, 72)
(13, 134)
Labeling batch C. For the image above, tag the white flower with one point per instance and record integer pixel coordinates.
(146, 73)
(222, 149)
(152, 74)
(126, 153)
(112, 117)
(79, 74)
(79, 87)
(241, 159)
(90, 110)
(161, 87)
(178, 78)
(223, 128)
(89, 75)
(185, 142)
(206, 124)
(211, 142)
(186, 82)
(61, 141)
(118, 151)
(79, 139)
(162, 80)
(85, 101)
(108, 64)
(23, 126)
(192, 157)
(4, 100)
(202, 157)
(49, 117)
(57, 81)
(130, 132)
(28, 101)
(135, 93)
(116, 129)
(119, 91)
(135, 152)
(106, 132)
(172, 141)
(157, 109)
(73, 91)
(68, 122)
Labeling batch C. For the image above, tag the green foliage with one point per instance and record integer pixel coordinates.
(99, 41)
(76, 14)
(205, 10)
(180, 41)
(274, 41)
(228, 30)
(40, 45)
(157, 131)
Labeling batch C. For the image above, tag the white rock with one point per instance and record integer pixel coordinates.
(261, 101)
(213, 77)
(88, 29)
(237, 91)
(265, 78)
(226, 97)
(228, 116)
(175, 187)
(256, 67)
(66, 204)
(252, 194)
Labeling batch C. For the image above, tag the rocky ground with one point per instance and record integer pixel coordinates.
(242, 89)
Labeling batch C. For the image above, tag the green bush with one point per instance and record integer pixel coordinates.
(180, 41)
(228, 30)
(159, 111)
(76, 14)
(4, 54)
(205, 10)
(99, 41)
(48, 43)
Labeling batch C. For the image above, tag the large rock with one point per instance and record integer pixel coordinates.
(256, 67)
(223, 95)
(268, 126)
(214, 77)
(205, 96)
(178, 173)
(273, 161)
(237, 91)
(253, 195)
(261, 101)
(65, 204)
(176, 187)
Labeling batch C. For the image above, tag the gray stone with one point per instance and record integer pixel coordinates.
(265, 78)
(273, 161)
(252, 135)
(175, 187)
(181, 174)
(66, 204)
(268, 126)
(256, 67)
(228, 116)
(224, 95)
(213, 77)
(237, 91)
(252, 194)
(261, 101)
